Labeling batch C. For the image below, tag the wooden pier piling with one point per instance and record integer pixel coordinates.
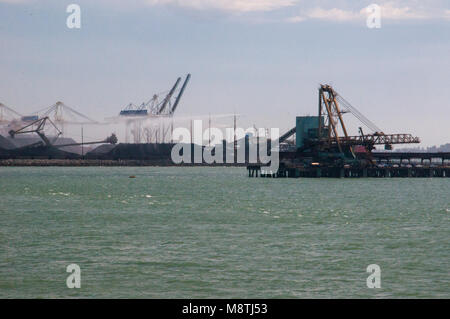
(339, 172)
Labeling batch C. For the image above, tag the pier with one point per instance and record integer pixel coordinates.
(344, 172)
(323, 147)
(439, 158)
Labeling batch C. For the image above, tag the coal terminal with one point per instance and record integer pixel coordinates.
(123, 154)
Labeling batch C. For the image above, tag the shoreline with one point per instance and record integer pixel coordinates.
(100, 163)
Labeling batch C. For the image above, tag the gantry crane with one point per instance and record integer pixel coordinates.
(7, 114)
(331, 135)
(155, 107)
(332, 132)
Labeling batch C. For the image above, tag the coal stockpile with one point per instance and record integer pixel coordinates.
(22, 148)
(157, 152)
(6, 144)
(39, 152)
(100, 150)
(4, 153)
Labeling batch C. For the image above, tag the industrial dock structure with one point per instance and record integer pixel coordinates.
(40, 135)
(318, 146)
(322, 147)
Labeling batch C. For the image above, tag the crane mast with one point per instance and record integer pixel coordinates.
(332, 131)
(169, 96)
(186, 81)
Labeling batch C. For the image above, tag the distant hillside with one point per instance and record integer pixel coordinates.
(432, 149)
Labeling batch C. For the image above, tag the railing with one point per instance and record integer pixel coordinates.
(380, 139)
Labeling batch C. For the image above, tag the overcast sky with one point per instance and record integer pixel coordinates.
(263, 59)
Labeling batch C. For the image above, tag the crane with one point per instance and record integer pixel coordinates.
(169, 96)
(186, 81)
(331, 134)
(38, 127)
(39, 130)
(156, 108)
(7, 114)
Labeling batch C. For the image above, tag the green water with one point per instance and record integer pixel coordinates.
(213, 232)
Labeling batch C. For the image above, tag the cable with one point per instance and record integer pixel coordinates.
(358, 114)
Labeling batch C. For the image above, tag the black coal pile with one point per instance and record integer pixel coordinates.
(41, 152)
(158, 152)
(101, 150)
(17, 148)
(6, 144)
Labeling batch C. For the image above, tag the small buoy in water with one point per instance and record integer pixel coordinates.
(132, 176)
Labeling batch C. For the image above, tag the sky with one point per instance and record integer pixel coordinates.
(262, 59)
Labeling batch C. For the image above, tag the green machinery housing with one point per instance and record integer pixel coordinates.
(306, 129)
